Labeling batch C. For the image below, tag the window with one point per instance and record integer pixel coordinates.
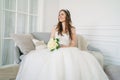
(17, 16)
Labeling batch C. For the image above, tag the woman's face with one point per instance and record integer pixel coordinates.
(62, 16)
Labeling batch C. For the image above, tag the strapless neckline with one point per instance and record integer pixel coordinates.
(63, 33)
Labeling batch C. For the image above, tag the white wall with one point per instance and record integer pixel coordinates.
(93, 12)
(97, 20)
(51, 8)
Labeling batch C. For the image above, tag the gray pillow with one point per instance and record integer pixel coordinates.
(45, 36)
(24, 42)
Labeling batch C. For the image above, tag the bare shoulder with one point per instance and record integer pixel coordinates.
(54, 28)
(53, 32)
(73, 30)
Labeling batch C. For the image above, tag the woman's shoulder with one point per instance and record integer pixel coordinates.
(54, 29)
(73, 29)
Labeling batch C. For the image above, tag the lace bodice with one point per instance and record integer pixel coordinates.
(65, 40)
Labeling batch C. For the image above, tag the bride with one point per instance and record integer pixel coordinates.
(66, 63)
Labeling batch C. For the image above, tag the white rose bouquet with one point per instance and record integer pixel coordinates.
(53, 44)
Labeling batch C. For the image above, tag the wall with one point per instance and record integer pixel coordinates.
(97, 20)
(50, 14)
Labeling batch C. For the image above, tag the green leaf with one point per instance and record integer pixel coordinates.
(52, 50)
(57, 39)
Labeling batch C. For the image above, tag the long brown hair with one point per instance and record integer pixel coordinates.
(68, 24)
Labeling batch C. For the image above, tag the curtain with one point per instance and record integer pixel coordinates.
(18, 16)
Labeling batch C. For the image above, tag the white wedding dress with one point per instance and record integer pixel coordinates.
(62, 64)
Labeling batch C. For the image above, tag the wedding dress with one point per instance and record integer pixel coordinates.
(63, 64)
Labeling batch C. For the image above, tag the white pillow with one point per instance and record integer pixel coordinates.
(39, 44)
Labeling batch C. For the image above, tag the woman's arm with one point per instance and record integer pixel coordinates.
(73, 41)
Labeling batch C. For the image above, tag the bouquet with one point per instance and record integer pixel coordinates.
(53, 44)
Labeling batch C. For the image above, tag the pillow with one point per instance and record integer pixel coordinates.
(82, 43)
(39, 44)
(24, 42)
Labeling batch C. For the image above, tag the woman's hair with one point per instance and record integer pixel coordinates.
(68, 24)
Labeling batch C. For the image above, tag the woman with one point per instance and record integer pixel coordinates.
(66, 63)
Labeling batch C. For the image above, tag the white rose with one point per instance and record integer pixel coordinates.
(52, 44)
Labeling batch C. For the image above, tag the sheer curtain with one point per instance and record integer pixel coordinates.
(17, 16)
(0, 31)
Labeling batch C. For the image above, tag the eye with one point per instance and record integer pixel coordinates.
(62, 14)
